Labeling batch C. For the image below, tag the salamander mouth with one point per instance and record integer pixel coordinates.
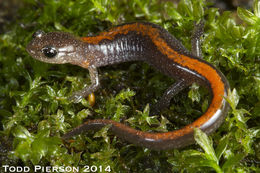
(29, 50)
(33, 50)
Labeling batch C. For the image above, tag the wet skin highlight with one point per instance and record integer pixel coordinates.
(138, 42)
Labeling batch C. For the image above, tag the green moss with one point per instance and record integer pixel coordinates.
(35, 111)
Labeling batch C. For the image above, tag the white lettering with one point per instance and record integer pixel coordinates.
(75, 169)
(26, 169)
(12, 169)
(55, 168)
(5, 167)
(68, 169)
(37, 167)
(19, 169)
(61, 169)
(8, 168)
(48, 169)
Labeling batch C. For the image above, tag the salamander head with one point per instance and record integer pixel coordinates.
(56, 48)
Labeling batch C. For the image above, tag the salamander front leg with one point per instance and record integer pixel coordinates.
(165, 100)
(79, 95)
(195, 39)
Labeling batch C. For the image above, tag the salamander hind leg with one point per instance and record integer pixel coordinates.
(165, 100)
(195, 39)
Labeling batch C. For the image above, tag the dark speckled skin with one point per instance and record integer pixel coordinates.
(139, 42)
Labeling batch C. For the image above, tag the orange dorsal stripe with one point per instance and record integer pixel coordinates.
(217, 86)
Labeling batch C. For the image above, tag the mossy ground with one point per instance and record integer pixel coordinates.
(35, 111)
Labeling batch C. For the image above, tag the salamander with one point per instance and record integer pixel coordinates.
(138, 41)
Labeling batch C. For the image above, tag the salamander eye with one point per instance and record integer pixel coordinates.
(49, 51)
(38, 34)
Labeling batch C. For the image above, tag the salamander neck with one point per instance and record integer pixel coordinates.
(121, 49)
